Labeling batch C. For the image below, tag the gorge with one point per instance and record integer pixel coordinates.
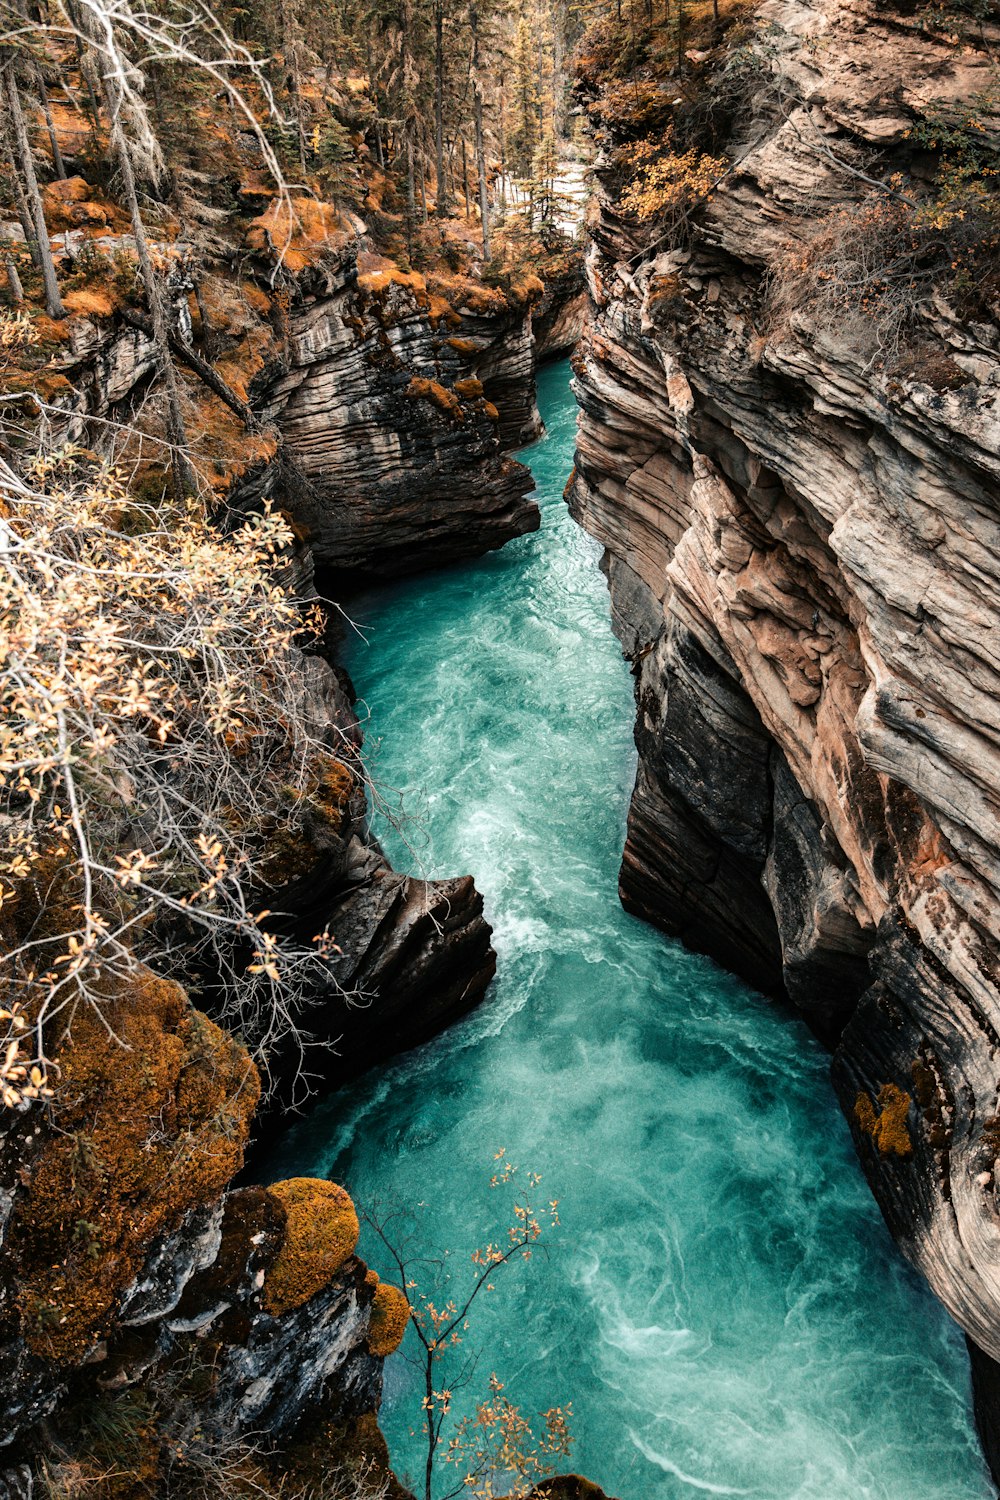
(318, 744)
(722, 1305)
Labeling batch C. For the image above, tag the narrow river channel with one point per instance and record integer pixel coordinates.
(722, 1305)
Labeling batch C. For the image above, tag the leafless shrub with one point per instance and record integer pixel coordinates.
(158, 767)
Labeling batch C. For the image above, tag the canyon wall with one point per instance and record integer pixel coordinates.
(803, 549)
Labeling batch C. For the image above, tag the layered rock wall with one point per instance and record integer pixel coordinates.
(395, 407)
(803, 550)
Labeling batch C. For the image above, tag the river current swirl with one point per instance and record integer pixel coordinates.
(722, 1305)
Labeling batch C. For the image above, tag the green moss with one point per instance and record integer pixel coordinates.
(321, 1232)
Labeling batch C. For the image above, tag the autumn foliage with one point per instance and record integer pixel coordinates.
(154, 751)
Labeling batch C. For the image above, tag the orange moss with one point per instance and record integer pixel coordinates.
(442, 312)
(526, 288)
(89, 302)
(220, 448)
(333, 787)
(51, 330)
(432, 390)
(462, 291)
(299, 229)
(491, 411)
(321, 1232)
(463, 346)
(257, 297)
(150, 1127)
(470, 388)
(389, 1317)
(887, 1126)
(45, 384)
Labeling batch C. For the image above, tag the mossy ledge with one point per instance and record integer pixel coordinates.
(148, 1128)
(321, 1233)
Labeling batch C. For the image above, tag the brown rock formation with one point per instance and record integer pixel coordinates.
(395, 407)
(804, 554)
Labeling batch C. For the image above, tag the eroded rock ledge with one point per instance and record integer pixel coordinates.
(395, 407)
(804, 558)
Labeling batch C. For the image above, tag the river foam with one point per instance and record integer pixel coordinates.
(723, 1306)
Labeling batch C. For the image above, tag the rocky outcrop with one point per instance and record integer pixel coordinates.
(803, 553)
(395, 405)
(128, 1262)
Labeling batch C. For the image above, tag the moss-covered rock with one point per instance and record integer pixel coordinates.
(321, 1232)
(153, 1113)
(390, 1315)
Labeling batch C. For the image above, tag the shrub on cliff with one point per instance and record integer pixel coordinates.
(155, 755)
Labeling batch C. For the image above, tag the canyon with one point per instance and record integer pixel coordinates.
(802, 550)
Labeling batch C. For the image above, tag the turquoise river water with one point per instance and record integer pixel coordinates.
(722, 1305)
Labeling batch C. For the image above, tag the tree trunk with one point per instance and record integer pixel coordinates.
(484, 199)
(465, 180)
(442, 193)
(503, 163)
(181, 468)
(53, 301)
(20, 201)
(13, 280)
(411, 193)
(558, 112)
(50, 125)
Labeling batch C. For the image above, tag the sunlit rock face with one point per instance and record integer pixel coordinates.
(803, 555)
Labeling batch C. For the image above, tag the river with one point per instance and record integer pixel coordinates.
(722, 1305)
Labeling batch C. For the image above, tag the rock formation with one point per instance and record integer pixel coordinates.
(395, 405)
(803, 553)
(129, 1268)
(135, 1281)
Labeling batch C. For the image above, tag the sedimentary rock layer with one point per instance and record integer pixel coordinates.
(804, 557)
(395, 408)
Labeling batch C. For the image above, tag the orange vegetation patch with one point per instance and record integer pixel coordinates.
(469, 389)
(321, 1232)
(462, 292)
(51, 330)
(72, 203)
(431, 390)
(886, 1125)
(220, 447)
(389, 1317)
(443, 312)
(149, 1127)
(378, 276)
(73, 129)
(298, 231)
(89, 302)
(44, 384)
